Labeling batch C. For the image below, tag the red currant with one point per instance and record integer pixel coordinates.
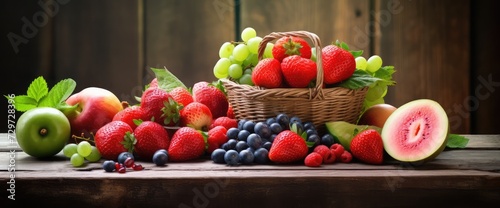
(137, 167)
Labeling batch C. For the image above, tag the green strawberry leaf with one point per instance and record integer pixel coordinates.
(38, 89)
(457, 141)
(385, 73)
(166, 80)
(129, 141)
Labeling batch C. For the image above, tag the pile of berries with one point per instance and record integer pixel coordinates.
(125, 160)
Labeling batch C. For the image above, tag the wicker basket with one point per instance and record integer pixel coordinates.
(318, 104)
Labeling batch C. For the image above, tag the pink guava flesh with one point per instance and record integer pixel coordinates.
(415, 131)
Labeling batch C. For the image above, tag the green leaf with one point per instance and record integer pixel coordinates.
(385, 73)
(457, 141)
(38, 89)
(23, 103)
(166, 80)
(59, 93)
(359, 79)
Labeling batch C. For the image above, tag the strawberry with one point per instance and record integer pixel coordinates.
(153, 83)
(196, 115)
(216, 137)
(338, 64)
(114, 138)
(150, 136)
(298, 71)
(267, 73)
(230, 112)
(313, 159)
(158, 105)
(367, 146)
(186, 144)
(326, 153)
(289, 146)
(129, 114)
(181, 95)
(225, 121)
(290, 45)
(198, 86)
(213, 96)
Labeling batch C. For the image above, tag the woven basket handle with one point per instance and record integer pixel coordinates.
(318, 89)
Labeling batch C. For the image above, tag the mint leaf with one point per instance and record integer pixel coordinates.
(359, 79)
(166, 80)
(59, 93)
(38, 88)
(24, 103)
(385, 73)
(457, 141)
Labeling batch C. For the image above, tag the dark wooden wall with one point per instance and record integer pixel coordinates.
(442, 50)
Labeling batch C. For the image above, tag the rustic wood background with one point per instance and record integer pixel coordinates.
(442, 50)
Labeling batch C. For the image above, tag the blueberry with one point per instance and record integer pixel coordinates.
(298, 126)
(230, 144)
(218, 156)
(108, 165)
(309, 125)
(261, 156)
(271, 120)
(123, 156)
(243, 135)
(314, 138)
(160, 158)
(295, 119)
(276, 128)
(283, 120)
(262, 129)
(327, 140)
(310, 132)
(232, 133)
(254, 141)
(246, 157)
(251, 149)
(241, 145)
(271, 138)
(240, 123)
(249, 126)
(267, 145)
(231, 157)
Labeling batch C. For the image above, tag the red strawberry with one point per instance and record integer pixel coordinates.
(186, 144)
(153, 83)
(267, 73)
(367, 146)
(181, 95)
(287, 46)
(159, 106)
(212, 95)
(338, 64)
(288, 146)
(150, 136)
(225, 121)
(114, 138)
(230, 112)
(198, 86)
(326, 153)
(129, 114)
(196, 115)
(216, 137)
(313, 159)
(298, 71)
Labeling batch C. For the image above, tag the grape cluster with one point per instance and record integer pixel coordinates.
(251, 141)
(80, 152)
(378, 90)
(237, 59)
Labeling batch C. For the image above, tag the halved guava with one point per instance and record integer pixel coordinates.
(416, 132)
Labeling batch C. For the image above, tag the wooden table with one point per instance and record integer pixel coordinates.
(467, 177)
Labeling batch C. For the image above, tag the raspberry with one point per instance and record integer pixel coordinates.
(326, 153)
(346, 157)
(314, 159)
(338, 149)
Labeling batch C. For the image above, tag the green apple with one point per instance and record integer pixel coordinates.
(42, 132)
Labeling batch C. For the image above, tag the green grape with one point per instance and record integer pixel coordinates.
(235, 71)
(246, 79)
(385, 92)
(226, 50)
(77, 160)
(94, 156)
(234, 61)
(367, 104)
(240, 52)
(360, 63)
(221, 68)
(373, 63)
(313, 54)
(250, 61)
(248, 33)
(268, 52)
(84, 148)
(69, 149)
(375, 92)
(248, 71)
(253, 44)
